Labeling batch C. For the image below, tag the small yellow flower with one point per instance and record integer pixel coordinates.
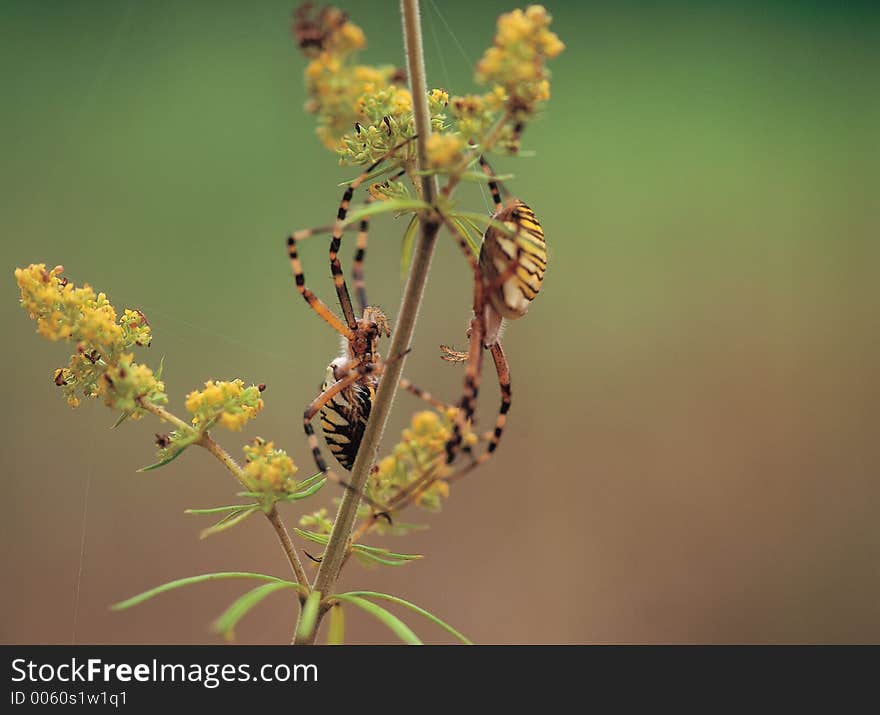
(351, 37)
(444, 150)
(439, 96)
(402, 101)
(269, 470)
(229, 404)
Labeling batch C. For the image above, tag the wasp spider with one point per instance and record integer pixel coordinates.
(346, 396)
(512, 263)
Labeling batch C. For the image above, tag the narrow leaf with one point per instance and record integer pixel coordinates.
(380, 207)
(227, 621)
(386, 552)
(312, 536)
(308, 481)
(163, 462)
(373, 558)
(406, 246)
(413, 607)
(371, 178)
(218, 509)
(336, 629)
(386, 618)
(161, 368)
(309, 615)
(303, 493)
(146, 595)
(227, 522)
(119, 420)
(473, 242)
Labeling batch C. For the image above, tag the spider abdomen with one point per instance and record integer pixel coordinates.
(343, 420)
(528, 249)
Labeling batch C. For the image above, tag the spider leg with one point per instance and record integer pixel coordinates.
(493, 185)
(336, 235)
(357, 269)
(502, 367)
(407, 385)
(314, 302)
(471, 387)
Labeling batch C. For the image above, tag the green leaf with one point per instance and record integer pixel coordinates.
(225, 624)
(163, 462)
(308, 481)
(336, 629)
(371, 178)
(228, 521)
(119, 420)
(218, 509)
(159, 369)
(380, 207)
(373, 558)
(386, 552)
(388, 619)
(406, 246)
(474, 243)
(308, 618)
(312, 536)
(147, 595)
(473, 227)
(413, 607)
(382, 556)
(303, 493)
(480, 177)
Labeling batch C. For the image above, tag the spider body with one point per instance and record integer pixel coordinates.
(513, 295)
(344, 416)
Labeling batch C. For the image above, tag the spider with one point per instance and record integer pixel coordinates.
(511, 270)
(347, 393)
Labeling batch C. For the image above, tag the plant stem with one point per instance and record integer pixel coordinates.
(209, 443)
(340, 537)
(289, 550)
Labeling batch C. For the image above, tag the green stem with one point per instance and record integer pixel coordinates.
(340, 536)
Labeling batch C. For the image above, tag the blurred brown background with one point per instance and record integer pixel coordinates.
(692, 454)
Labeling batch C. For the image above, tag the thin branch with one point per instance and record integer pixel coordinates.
(340, 537)
(209, 443)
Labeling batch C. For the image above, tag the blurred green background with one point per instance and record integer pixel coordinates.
(692, 454)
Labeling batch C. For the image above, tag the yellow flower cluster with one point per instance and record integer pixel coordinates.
(269, 470)
(229, 404)
(101, 364)
(337, 87)
(418, 461)
(363, 111)
(515, 63)
(65, 312)
(125, 383)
